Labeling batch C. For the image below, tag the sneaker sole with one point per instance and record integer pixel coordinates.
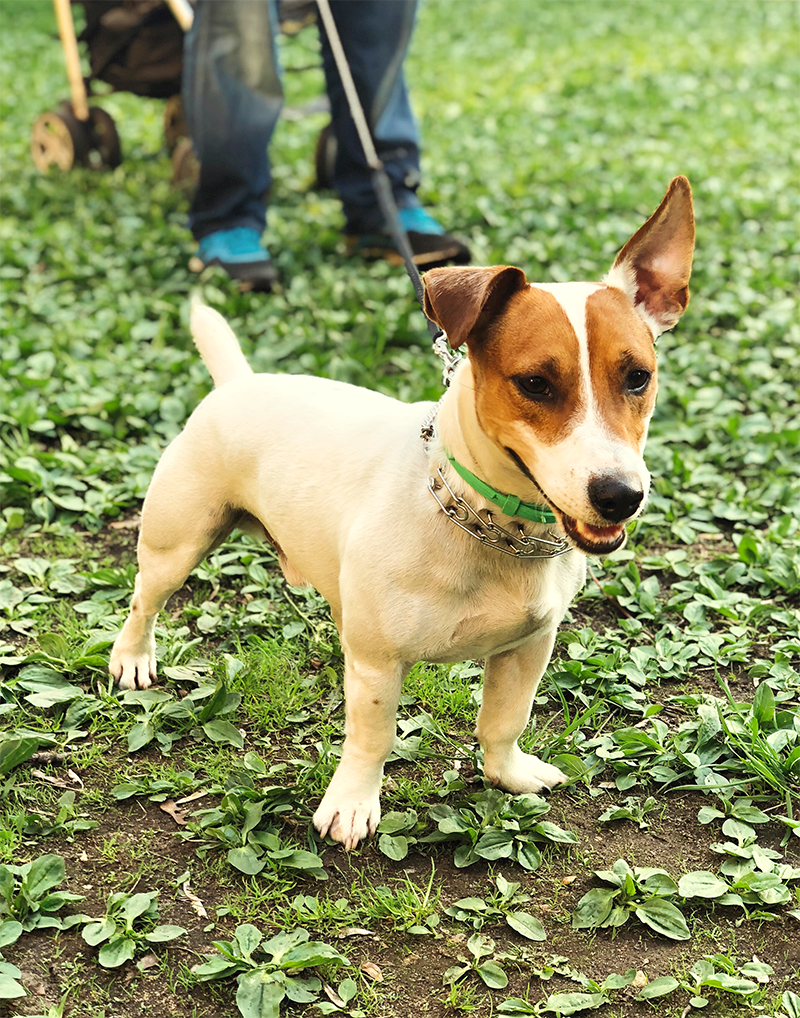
(264, 284)
(427, 259)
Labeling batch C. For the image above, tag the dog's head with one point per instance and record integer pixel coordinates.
(565, 373)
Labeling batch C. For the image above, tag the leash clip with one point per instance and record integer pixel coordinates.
(449, 358)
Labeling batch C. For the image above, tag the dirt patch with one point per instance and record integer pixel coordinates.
(135, 848)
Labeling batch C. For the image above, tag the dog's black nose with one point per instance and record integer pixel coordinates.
(614, 498)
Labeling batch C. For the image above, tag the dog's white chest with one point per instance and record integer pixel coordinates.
(482, 634)
(501, 614)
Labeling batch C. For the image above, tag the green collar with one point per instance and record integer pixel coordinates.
(511, 505)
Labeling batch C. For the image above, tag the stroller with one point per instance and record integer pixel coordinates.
(135, 46)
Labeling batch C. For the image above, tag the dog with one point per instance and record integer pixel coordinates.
(468, 543)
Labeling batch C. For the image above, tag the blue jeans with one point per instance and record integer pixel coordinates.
(232, 96)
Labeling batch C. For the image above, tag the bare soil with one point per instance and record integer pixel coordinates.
(139, 836)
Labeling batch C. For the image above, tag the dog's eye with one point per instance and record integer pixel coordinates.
(637, 381)
(534, 387)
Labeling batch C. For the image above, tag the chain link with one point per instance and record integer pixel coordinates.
(428, 429)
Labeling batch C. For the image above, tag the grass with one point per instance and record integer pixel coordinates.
(550, 132)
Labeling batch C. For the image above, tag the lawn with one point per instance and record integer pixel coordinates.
(156, 852)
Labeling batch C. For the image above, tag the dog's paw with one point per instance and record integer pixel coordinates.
(348, 818)
(133, 668)
(522, 772)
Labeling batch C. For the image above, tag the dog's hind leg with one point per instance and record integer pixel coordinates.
(350, 810)
(509, 686)
(183, 518)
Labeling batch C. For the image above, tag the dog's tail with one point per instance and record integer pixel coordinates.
(217, 344)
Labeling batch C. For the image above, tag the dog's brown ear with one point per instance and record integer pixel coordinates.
(463, 301)
(653, 268)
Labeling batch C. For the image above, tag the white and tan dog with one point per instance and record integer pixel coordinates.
(552, 407)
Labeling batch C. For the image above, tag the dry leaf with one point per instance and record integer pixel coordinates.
(197, 906)
(177, 815)
(132, 524)
(190, 798)
(83, 857)
(57, 782)
(332, 995)
(74, 778)
(410, 959)
(369, 968)
(566, 881)
(356, 931)
(640, 980)
(148, 962)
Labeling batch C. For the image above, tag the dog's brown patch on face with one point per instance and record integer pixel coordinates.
(532, 338)
(620, 343)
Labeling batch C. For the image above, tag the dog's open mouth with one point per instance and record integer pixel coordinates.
(590, 539)
(586, 537)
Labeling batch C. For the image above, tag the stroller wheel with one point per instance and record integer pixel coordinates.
(325, 158)
(59, 139)
(174, 124)
(105, 151)
(185, 166)
(53, 142)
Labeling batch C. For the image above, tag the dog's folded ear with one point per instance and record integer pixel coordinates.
(463, 301)
(653, 268)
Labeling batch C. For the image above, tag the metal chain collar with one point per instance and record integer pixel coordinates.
(482, 527)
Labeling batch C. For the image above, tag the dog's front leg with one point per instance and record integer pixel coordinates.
(162, 570)
(350, 810)
(509, 686)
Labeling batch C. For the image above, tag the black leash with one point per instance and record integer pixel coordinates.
(389, 210)
(383, 189)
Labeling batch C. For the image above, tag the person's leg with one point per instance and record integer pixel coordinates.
(232, 97)
(375, 35)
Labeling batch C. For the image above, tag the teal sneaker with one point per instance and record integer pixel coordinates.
(240, 252)
(431, 244)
